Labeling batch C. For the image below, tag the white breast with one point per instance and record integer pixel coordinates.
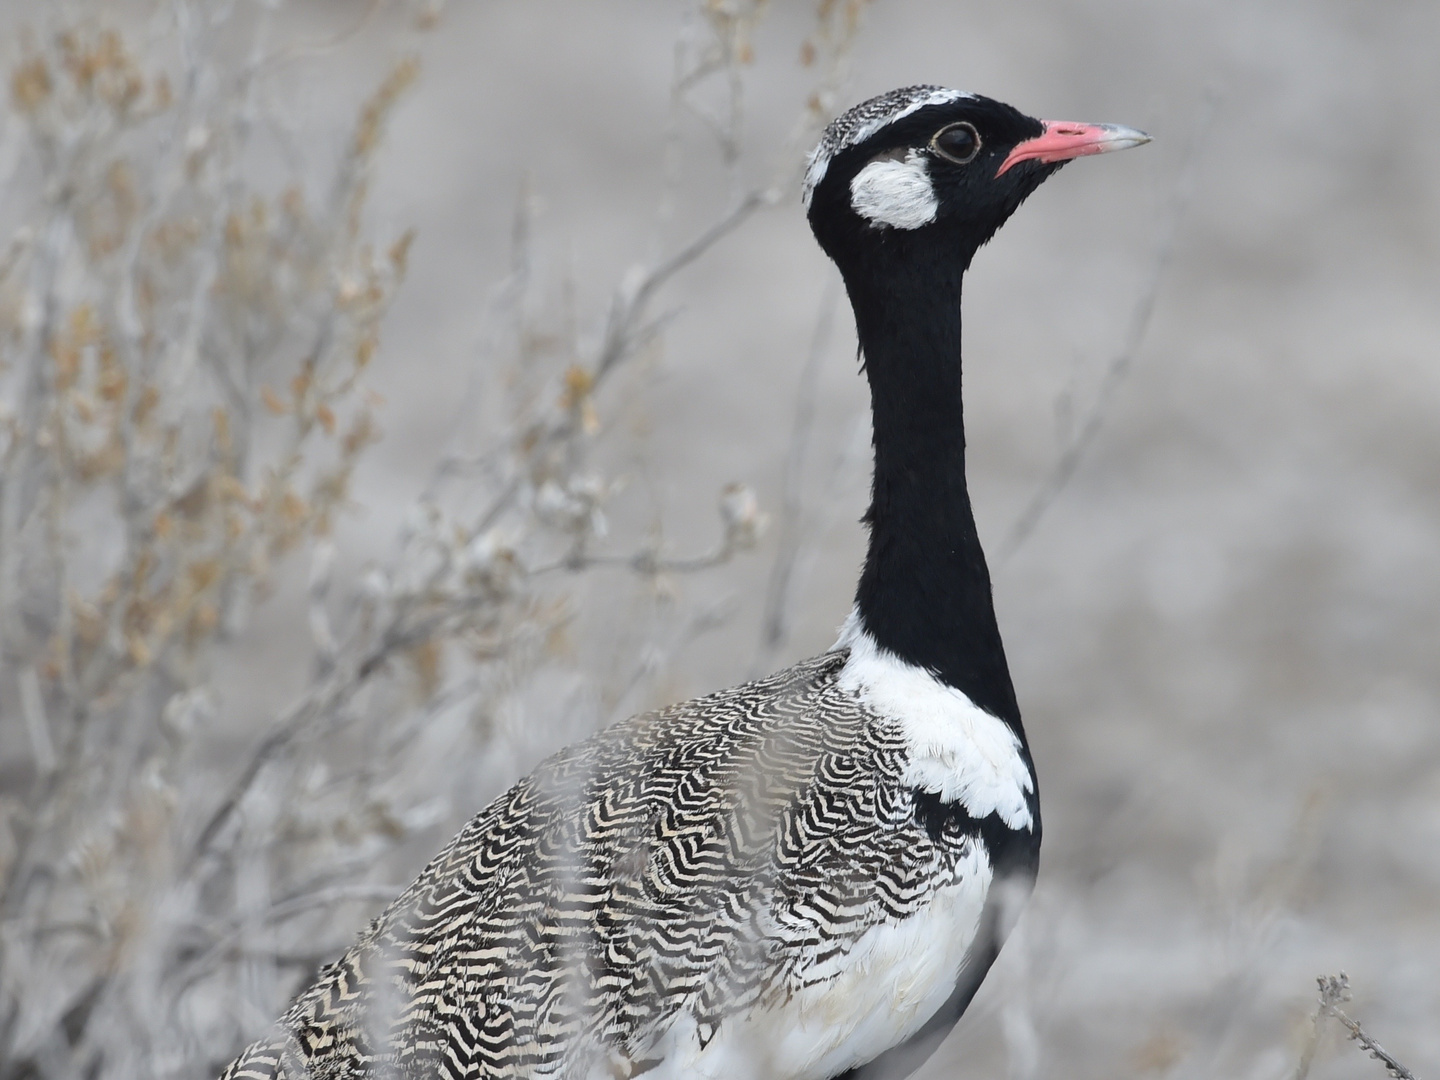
(956, 749)
(874, 996)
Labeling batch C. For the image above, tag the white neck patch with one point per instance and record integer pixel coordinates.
(957, 750)
(895, 192)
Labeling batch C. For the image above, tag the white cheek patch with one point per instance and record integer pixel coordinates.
(956, 749)
(894, 192)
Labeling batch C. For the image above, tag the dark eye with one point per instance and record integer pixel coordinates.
(958, 143)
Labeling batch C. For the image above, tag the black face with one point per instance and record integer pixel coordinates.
(931, 175)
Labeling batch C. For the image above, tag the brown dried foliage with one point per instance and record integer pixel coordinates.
(182, 406)
(148, 301)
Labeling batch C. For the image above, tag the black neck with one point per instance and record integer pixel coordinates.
(925, 590)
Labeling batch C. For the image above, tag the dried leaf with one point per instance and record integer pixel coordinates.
(400, 251)
(273, 401)
(31, 85)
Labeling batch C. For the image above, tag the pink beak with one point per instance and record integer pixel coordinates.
(1062, 140)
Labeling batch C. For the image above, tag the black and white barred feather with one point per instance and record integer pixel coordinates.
(679, 874)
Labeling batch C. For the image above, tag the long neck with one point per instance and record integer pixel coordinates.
(925, 590)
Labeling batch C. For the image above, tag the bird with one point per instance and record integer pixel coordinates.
(804, 877)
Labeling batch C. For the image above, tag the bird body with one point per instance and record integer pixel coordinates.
(799, 878)
(751, 883)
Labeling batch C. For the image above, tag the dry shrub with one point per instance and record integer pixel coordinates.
(185, 329)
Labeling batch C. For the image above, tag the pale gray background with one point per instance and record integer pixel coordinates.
(1224, 633)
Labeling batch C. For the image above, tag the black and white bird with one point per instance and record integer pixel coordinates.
(800, 878)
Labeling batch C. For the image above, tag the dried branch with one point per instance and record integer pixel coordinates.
(412, 621)
(626, 328)
(774, 626)
(1120, 367)
(1334, 992)
(183, 353)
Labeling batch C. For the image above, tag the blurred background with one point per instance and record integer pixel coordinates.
(317, 532)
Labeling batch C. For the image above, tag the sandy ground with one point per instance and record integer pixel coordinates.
(1223, 633)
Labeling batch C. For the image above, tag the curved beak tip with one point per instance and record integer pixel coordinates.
(1123, 138)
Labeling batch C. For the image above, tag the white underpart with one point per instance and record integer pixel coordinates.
(819, 162)
(895, 193)
(874, 996)
(957, 749)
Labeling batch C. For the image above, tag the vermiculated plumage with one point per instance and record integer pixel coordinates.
(715, 856)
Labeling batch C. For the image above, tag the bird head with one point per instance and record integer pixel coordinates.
(936, 168)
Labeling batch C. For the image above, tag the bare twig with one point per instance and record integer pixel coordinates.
(658, 656)
(1142, 314)
(626, 324)
(316, 48)
(626, 332)
(774, 625)
(1334, 992)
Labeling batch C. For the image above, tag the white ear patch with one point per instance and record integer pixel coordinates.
(895, 192)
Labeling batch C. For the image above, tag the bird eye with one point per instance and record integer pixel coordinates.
(958, 143)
